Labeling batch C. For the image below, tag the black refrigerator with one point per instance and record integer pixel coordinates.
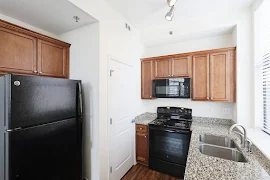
(40, 128)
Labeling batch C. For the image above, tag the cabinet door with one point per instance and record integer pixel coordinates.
(147, 72)
(53, 60)
(17, 52)
(163, 68)
(181, 66)
(142, 147)
(200, 71)
(220, 76)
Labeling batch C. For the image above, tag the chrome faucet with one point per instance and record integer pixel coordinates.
(244, 140)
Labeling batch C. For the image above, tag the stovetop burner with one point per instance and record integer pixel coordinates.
(171, 119)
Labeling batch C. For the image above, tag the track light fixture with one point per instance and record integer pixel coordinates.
(170, 14)
(171, 3)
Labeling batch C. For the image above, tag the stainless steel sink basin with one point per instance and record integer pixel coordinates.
(222, 152)
(217, 140)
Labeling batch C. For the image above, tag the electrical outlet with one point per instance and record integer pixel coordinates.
(227, 111)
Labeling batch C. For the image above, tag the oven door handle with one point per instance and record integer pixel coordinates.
(177, 131)
(172, 131)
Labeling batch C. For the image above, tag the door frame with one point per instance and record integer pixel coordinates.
(109, 59)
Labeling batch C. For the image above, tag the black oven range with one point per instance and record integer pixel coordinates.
(169, 138)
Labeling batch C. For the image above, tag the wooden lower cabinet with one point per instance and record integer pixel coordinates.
(142, 151)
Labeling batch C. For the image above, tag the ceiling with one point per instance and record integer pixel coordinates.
(145, 13)
(54, 16)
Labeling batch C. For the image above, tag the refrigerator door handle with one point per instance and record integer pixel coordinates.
(80, 100)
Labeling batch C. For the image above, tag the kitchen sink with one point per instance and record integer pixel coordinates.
(222, 152)
(217, 140)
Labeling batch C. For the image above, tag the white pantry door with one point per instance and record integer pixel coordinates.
(121, 128)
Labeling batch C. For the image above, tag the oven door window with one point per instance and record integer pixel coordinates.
(170, 147)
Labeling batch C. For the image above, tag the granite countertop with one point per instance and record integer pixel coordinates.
(145, 118)
(200, 166)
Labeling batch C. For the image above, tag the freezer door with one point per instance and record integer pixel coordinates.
(39, 100)
(46, 152)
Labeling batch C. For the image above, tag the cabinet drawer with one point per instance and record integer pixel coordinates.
(141, 128)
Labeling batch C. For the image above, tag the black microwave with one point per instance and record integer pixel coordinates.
(171, 88)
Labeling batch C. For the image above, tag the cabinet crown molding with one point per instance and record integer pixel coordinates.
(188, 54)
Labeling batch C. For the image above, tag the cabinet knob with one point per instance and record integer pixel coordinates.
(169, 75)
(150, 96)
(40, 72)
(172, 75)
(145, 136)
(35, 72)
(140, 128)
(208, 98)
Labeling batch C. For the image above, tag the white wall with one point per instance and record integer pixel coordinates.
(242, 20)
(125, 46)
(190, 46)
(84, 65)
(204, 109)
(234, 38)
(25, 25)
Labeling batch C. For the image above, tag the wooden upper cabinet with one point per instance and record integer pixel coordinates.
(214, 76)
(181, 66)
(17, 52)
(212, 73)
(146, 79)
(162, 68)
(23, 51)
(221, 74)
(200, 76)
(52, 59)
